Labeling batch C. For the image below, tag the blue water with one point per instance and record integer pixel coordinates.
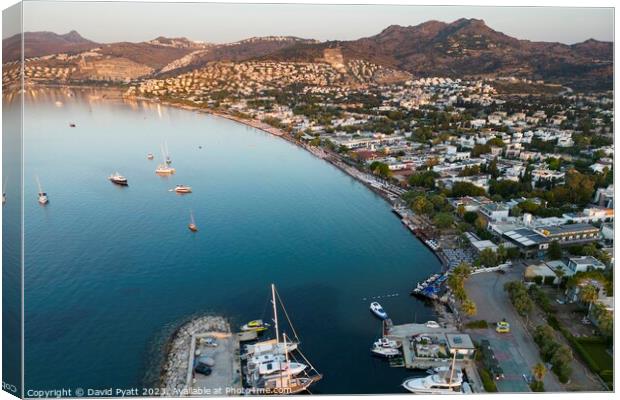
(110, 271)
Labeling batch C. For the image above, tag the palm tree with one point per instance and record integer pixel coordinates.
(588, 294)
(560, 274)
(539, 371)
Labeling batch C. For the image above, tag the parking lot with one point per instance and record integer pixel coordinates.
(516, 351)
(224, 373)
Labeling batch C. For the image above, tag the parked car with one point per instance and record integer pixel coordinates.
(432, 324)
(203, 369)
(502, 327)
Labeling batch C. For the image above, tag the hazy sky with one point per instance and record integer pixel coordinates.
(110, 22)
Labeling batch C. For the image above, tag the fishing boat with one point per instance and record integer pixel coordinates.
(281, 377)
(192, 224)
(43, 199)
(256, 325)
(150, 156)
(118, 179)
(183, 189)
(378, 310)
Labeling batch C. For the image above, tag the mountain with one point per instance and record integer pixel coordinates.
(37, 44)
(467, 48)
(251, 48)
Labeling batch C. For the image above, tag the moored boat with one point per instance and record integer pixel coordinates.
(439, 383)
(378, 310)
(385, 351)
(192, 224)
(118, 179)
(256, 325)
(183, 189)
(43, 199)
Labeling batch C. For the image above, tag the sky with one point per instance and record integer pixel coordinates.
(220, 23)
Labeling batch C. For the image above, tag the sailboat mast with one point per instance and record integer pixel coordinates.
(39, 185)
(275, 312)
(452, 369)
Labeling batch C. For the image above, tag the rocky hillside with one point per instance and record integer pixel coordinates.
(463, 48)
(468, 47)
(37, 44)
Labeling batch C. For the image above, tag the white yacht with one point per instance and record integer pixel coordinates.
(385, 351)
(289, 367)
(443, 382)
(183, 189)
(378, 310)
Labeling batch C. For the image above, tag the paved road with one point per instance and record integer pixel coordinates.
(516, 351)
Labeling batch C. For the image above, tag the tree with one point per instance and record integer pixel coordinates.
(469, 307)
(539, 371)
(422, 205)
(424, 179)
(488, 258)
(588, 294)
(443, 220)
(555, 250)
(461, 189)
(560, 274)
(502, 253)
(381, 169)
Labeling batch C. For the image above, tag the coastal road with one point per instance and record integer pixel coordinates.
(516, 351)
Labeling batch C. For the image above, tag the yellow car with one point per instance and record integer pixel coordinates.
(502, 327)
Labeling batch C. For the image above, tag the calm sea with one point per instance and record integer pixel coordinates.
(111, 271)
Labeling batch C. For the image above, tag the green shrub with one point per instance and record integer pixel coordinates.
(487, 382)
(478, 324)
(537, 386)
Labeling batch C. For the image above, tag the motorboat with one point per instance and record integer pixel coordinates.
(257, 325)
(439, 383)
(183, 189)
(385, 351)
(150, 156)
(118, 179)
(72, 125)
(387, 343)
(378, 310)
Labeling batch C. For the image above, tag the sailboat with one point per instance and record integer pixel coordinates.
(291, 377)
(42, 195)
(164, 168)
(192, 224)
(168, 159)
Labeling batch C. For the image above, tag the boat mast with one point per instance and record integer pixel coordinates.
(452, 368)
(39, 185)
(275, 312)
